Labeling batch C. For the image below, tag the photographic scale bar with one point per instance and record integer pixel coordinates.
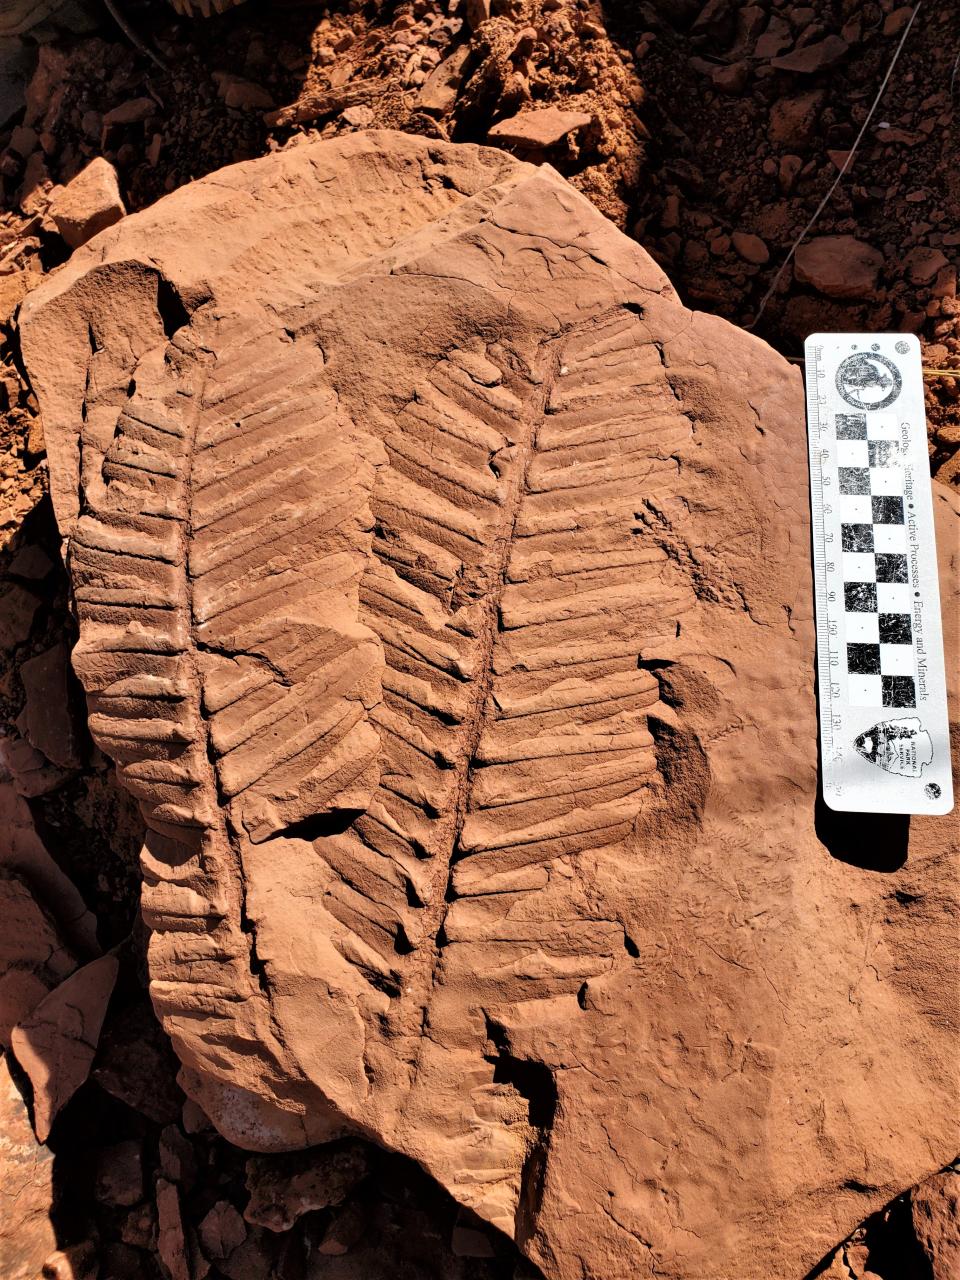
(884, 730)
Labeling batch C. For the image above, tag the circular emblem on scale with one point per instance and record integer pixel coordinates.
(868, 380)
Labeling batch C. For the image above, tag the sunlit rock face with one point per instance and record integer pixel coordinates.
(444, 597)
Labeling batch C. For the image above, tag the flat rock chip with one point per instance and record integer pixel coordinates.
(440, 89)
(133, 111)
(819, 56)
(171, 1238)
(444, 595)
(56, 1044)
(88, 203)
(46, 721)
(750, 247)
(34, 955)
(29, 771)
(534, 130)
(222, 1230)
(794, 121)
(24, 854)
(31, 562)
(838, 266)
(18, 608)
(923, 264)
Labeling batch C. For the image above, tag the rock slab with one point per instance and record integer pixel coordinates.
(839, 266)
(444, 596)
(538, 130)
(56, 1044)
(27, 1237)
(88, 203)
(46, 721)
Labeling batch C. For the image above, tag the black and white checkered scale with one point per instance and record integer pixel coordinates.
(878, 601)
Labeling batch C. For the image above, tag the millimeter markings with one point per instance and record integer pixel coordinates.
(884, 734)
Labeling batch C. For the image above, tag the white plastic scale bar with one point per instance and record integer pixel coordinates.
(884, 736)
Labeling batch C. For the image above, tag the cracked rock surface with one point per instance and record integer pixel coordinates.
(443, 593)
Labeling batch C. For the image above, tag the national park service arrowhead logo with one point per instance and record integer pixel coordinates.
(899, 746)
(868, 380)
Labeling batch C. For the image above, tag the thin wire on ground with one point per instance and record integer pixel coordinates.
(833, 186)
